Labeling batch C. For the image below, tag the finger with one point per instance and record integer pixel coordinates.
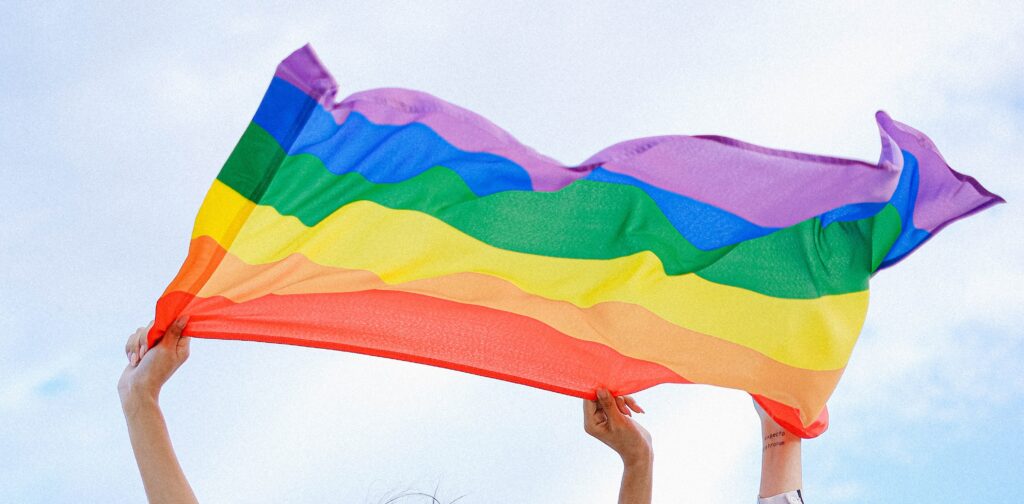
(589, 415)
(133, 343)
(633, 404)
(144, 339)
(608, 405)
(130, 344)
(184, 343)
(173, 332)
(141, 344)
(621, 404)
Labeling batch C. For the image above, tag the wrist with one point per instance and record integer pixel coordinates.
(135, 401)
(641, 460)
(781, 466)
(768, 423)
(777, 441)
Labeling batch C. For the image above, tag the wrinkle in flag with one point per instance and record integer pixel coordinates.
(395, 224)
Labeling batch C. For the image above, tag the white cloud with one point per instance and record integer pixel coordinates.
(145, 112)
(18, 389)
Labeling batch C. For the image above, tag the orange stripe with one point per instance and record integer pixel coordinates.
(204, 256)
(417, 328)
(628, 328)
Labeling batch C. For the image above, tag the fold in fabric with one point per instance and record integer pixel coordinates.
(393, 223)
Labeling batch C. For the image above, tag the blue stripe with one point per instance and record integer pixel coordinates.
(904, 199)
(381, 153)
(706, 226)
(851, 212)
(390, 154)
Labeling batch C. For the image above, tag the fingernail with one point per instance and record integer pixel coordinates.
(602, 393)
(180, 323)
(135, 359)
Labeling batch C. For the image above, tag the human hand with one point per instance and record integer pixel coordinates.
(767, 422)
(149, 368)
(781, 469)
(608, 419)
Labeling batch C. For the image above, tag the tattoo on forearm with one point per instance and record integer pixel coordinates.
(774, 439)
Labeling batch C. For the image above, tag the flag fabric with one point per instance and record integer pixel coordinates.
(395, 224)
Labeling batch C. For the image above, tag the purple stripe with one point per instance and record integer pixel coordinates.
(772, 188)
(462, 128)
(943, 195)
(768, 187)
(304, 70)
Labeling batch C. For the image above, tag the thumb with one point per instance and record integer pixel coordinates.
(173, 332)
(589, 408)
(608, 404)
(183, 344)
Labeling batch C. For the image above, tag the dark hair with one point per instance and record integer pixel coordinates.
(395, 497)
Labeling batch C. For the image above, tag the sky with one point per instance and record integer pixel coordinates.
(117, 116)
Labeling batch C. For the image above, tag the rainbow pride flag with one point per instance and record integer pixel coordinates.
(395, 224)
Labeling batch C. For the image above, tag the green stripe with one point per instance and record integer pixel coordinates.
(888, 225)
(585, 220)
(251, 161)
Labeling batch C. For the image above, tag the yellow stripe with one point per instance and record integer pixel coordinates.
(222, 214)
(404, 245)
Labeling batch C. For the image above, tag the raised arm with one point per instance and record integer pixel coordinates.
(608, 419)
(139, 388)
(781, 470)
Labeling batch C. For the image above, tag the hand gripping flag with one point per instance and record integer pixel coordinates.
(393, 223)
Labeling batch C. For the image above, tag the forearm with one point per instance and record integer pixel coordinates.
(637, 481)
(780, 461)
(162, 476)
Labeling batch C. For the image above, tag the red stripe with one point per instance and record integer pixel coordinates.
(437, 332)
(788, 418)
(418, 328)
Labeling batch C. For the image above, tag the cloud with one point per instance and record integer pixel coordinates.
(48, 379)
(113, 132)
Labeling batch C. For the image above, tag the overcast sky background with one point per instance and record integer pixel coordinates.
(115, 119)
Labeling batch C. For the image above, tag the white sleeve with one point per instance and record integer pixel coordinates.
(792, 497)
